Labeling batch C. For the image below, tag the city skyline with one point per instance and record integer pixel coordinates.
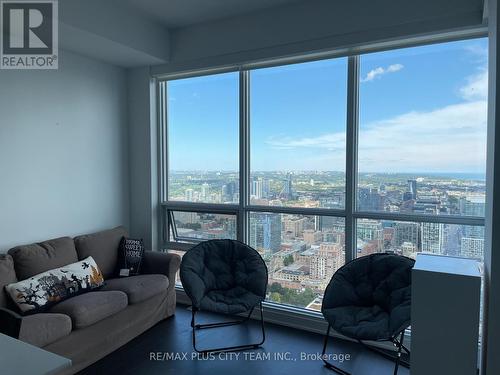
(461, 175)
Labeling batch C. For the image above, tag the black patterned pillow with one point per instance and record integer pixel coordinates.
(130, 256)
(46, 289)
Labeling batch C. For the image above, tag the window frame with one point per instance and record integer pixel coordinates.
(189, 240)
(242, 210)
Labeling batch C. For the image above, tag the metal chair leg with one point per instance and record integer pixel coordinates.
(329, 365)
(387, 355)
(224, 324)
(398, 358)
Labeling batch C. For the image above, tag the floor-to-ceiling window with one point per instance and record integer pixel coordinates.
(316, 163)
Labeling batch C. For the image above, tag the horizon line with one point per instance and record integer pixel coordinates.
(323, 171)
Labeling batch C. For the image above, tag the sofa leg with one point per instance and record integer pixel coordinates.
(196, 327)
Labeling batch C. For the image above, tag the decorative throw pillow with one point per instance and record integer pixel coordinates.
(130, 256)
(46, 289)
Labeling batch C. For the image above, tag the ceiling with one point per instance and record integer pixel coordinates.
(218, 32)
(181, 13)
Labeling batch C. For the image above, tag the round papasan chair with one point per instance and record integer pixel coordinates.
(226, 277)
(369, 299)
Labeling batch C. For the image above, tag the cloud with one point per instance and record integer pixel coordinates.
(394, 68)
(330, 141)
(377, 72)
(479, 50)
(476, 87)
(450, 138)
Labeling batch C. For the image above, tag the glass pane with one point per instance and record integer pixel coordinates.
(177, 274)
(203, 139)
(301, 252)
(409, 238)
(197, 226)
(422, 138)
(298, 134)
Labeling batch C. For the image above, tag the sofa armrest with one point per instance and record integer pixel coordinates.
(163, 263)
(10, 322)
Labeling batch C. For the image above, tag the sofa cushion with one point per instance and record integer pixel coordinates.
(47, 288)
(138, 288)
(44, 329)
(89, 308)
(7, 276)
(36, 258)
(103, 247)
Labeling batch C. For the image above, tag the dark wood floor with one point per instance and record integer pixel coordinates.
(282, 353)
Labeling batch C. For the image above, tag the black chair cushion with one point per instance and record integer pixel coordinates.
(231, 301)
(224, 276)
(369, 298)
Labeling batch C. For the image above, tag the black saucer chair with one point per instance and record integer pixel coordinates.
(227, 277)
(368, 299)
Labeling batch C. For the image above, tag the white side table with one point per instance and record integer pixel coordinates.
(446, 294)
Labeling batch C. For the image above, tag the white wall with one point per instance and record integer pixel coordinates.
(63, 151)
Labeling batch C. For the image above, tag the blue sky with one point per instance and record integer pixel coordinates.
(422, 109)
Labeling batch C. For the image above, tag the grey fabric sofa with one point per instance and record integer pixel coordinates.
(89, 326)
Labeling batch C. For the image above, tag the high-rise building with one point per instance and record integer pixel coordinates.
(473, 205)
(472, 247)
(412, 188)
(334, 236)
(472, 242)
(328, 223)
(312, 236)
(409, 249)
(433, 236)
(189, 195)
(205, 192)
(406, 232)
(370, 231)
(230, 228)
(266, 188)
(256, 189)
(287, 192)
(295, 225)
(229, 191)
(265, 232)
(431, 204)
(370, 200)
(407, 196)
(326, 261)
